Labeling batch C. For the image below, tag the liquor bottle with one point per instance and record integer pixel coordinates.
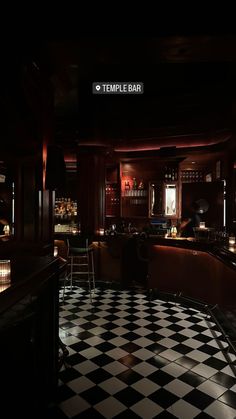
(127, 186)
(134, 183)
(141, 185)
(176, 174)
(165, 173)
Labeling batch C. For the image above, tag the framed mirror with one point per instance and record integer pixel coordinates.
(170, 200)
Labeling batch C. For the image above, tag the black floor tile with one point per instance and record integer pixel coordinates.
(215, 363)
(178, 337)
(129, 377)
(130, 347)
(229, 397)
(186, 362)
(131, 336)
(104, 346)
(101, 375)
(199, 399)
(191, 378)
(223, 379)
(63, 393)
(94, 395)
(80, 346)
(84, 335)
(129, 396)
(69, 374)
(75, 359)
(102, 360)
(158, 361)
(182, 349)
(156, 348)
(98, 375)
(130, 360)
(160, 377)
(163, 397)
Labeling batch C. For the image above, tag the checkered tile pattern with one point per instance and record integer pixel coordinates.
(131, 356)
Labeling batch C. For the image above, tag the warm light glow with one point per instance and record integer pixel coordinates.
(3, 287)
(6, 229)
(101, 231)
(55, 251)
(44, 158)
(202, 224)
(232, 249)
(5, 271)
(173, 232)
(232, 240)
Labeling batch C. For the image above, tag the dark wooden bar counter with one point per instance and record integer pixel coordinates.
(29, 334)
(196, 269)
(204, 270)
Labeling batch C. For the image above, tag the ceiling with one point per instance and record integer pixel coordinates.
(188, 100)
(188, 91)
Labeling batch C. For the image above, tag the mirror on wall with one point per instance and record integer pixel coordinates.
(170, 200)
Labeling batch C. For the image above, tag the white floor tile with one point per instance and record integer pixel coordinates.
(183, 410)
(80, 384)
(74, 406)
(212, 389)
(115, 368)
(145, 386)
(220, 410)
(147, 409)
(178, 387)
(112, 385)
(144, 369)
(110, 407)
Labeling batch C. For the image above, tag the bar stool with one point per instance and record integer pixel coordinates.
(81, 261)
(63, 254)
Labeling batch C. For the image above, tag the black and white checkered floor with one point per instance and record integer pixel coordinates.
(132, 356)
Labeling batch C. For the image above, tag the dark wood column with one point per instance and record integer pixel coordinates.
(91, 188)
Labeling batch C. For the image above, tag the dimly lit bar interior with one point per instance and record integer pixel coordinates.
(118, 227)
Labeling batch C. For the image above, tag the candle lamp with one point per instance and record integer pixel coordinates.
(55, 253)
(101, 231)
(231, 240)
(202, 224)
(5, 272)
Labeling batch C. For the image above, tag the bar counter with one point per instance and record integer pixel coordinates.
(200, 270)
(197, 269)
(205, 270)
(29, 333)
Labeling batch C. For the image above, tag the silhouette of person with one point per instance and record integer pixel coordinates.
(190, 221)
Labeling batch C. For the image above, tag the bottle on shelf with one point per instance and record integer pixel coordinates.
(176, 173)
(134, 183)
(165, 174)
(127, 187)
(141, 185)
